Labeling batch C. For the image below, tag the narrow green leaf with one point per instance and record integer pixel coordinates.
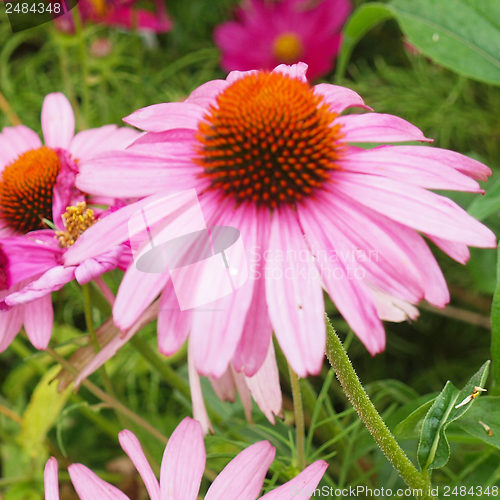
(462, 35)
(483, 420)
(495, 331)
(362, 21)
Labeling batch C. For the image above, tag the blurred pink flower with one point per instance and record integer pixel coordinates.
(182, 469)
(37, 186)
(268, 33)
(273, 156)
(117, 13)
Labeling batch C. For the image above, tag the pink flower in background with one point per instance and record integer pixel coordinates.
(274, 157)
(267, 33)
(119, 14)
(182, 469)
(37, 191)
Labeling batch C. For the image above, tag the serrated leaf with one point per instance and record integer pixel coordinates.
(461, 35)
(486, 412)
(411, 425)
(433, 447)
(41, 413)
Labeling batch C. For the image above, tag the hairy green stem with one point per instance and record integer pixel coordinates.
(298, 411)
(371, 418)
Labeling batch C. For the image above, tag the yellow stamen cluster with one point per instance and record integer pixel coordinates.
(77, 219)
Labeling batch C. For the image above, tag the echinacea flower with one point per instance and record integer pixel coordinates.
(42, 213)
(182, 470)
(268, 33)
(118, 13)
(273, 156)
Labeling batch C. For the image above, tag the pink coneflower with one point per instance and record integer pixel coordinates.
(182, 470)
(268, 33)
(120, 14)
(42, 213)
(272, 156)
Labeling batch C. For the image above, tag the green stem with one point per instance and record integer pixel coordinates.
(373, 421)
(298, 410)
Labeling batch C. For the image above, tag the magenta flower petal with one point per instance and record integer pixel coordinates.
(294, 296)
(58, 121)
(301, 486)
(15, 141)
(51, 480)
(166, 116)
(183, 462)
(457, 251)
(206, 93)
(89, 486)
(38, 321)
(243, 477)
(340, 98)
(132, 447)
(10, 324)
(378, 127)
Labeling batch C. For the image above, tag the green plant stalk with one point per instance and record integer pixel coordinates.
(298, 410)
(371, 418)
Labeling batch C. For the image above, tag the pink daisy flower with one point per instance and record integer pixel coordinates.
(273, 156)
(36, 191)
(182, 470)
(283, 31)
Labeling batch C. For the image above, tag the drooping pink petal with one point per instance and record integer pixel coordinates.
(38, 321)
(183, 462)
(11, 322)
(415, 207)
(265, 387)
(301, 486)
(58, 121)
(132, 447)
(378, 127)
(390, 308)
(89, 486)
(91, 268)
(243, 393)
(166, 116)
(51, 480)
(294, 296)
(243, 477)
(15, 141)
(54, 279)
(224, 386)
(457, 251)
(199, 410)
(339, 98)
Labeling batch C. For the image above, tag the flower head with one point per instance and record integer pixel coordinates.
(182, 470)
(313, 209)
(283, 31)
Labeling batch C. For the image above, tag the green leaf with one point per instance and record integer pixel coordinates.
(433, 448)
(41, 413)
(363, 20)
(410, 426)
(495, 330)
(485, 412)
(484, 206)
(461, 35)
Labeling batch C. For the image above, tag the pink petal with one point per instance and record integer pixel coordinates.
(265, 387)
(339, 98)
(38, 321)
(243, 477)
(92, 268)
(166, 116)
(377, 127)
(132, 447)
(301, 486)
(91, 487)
(183, 462)
(50, 480)
(11, 322)
(408, 166)
(298, 70)
(15, 141)
(51, 281)
(224, 386)
(243, 393)
(205, 94)
(415, 207)
(457, 251)
(294, 296)
(58, 121)
(173, 324)
(175, 136)
(391, 308)
(199, 411)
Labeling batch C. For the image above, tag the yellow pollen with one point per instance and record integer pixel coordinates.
(76, 219)
(287, 48)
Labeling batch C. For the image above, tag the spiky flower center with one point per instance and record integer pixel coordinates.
(26, 189)
(268, 139)
(287, 48)
(76, 219)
